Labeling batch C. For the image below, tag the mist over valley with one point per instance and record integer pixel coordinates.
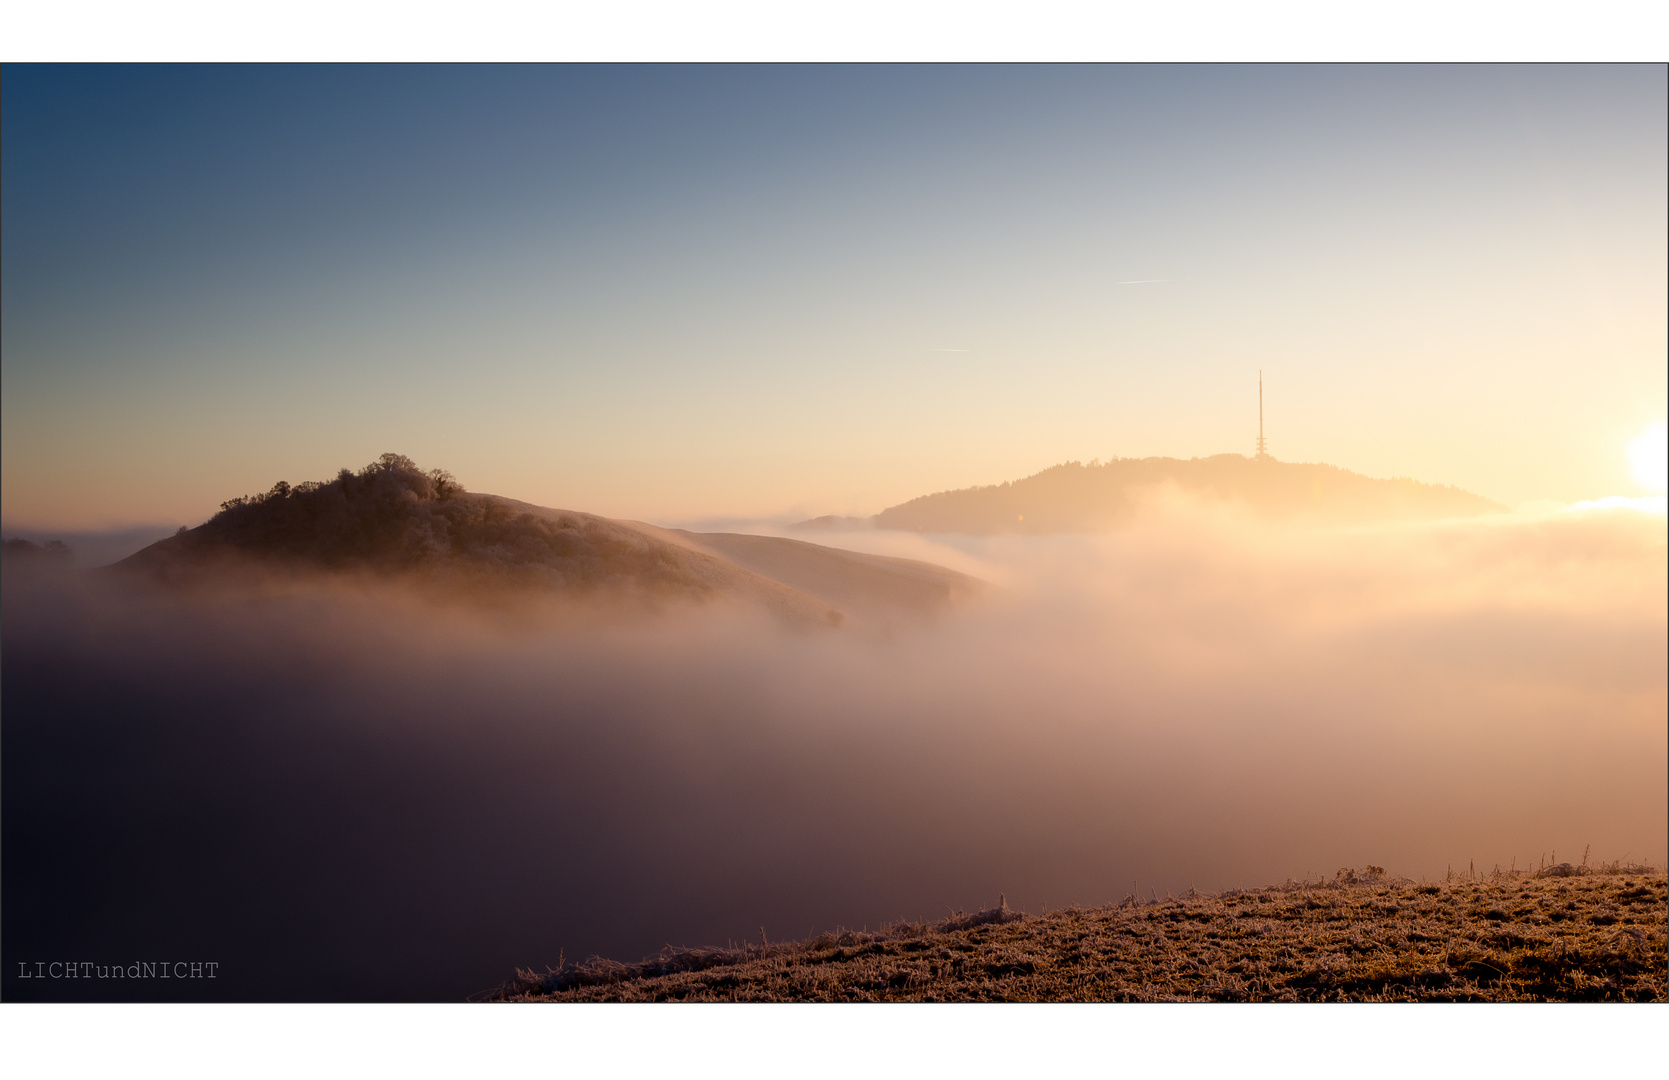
(383, 738)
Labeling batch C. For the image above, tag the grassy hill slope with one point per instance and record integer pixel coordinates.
(394, 520)
(1565, 934)
(870, 586)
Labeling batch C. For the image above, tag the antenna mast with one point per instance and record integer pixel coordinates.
(1263, 447)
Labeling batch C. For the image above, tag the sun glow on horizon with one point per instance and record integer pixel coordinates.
(1646, 504)
(1648, 459)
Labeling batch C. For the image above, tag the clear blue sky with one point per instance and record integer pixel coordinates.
(674, 292)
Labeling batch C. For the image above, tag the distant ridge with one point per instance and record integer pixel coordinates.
(833, 523)
(1075, 497)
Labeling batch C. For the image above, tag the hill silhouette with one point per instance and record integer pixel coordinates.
(393, 519)
(874, 586)
(1074, 497)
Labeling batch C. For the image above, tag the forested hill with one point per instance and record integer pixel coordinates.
(393, 520)
(1088, 498)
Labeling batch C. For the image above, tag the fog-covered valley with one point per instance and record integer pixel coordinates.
(341, 785)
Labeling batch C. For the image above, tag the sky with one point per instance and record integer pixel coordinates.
(676, 293)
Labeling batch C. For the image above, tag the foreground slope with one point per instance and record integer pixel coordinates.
(1563, 935)
(1090, 498)
(393, 519)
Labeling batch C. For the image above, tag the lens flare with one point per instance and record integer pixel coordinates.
(1648, 459)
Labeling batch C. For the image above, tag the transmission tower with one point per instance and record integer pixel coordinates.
(1263, 447)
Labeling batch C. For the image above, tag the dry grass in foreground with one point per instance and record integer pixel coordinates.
(1563, 934)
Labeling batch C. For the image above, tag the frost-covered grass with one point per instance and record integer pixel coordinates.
(1564, 934)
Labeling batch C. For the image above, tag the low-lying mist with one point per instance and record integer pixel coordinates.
(341, 792)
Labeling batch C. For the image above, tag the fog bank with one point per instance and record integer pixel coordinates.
(350, 793)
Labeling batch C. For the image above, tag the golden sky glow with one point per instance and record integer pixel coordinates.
(674, 294)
